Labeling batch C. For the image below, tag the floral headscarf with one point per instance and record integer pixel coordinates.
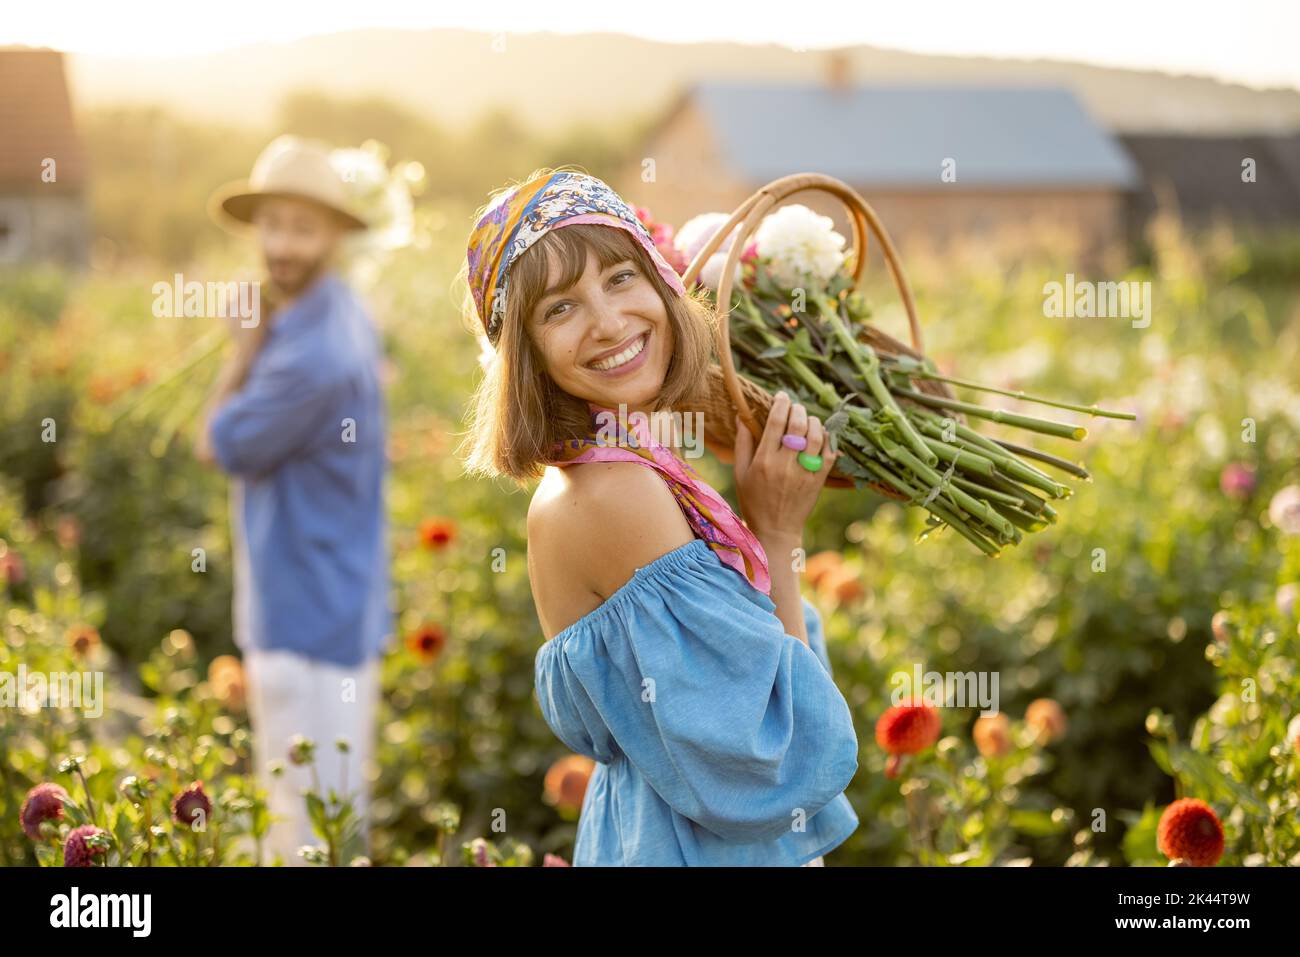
(520, 216)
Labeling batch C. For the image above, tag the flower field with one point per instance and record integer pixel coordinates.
(1145, 646)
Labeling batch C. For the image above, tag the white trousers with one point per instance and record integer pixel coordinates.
(289, 694)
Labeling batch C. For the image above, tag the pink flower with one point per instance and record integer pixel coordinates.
(554, 860)
(1237, 481)
(662, 236)
(77, 851)
(671, 254)
(44, 803)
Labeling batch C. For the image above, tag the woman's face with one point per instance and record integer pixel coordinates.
(606, 339)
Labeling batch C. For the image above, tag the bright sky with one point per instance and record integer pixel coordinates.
(1249, 41)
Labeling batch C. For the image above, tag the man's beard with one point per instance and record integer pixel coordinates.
(298, 279)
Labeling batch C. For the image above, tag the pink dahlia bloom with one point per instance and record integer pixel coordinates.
(44, 803)
(76, 851)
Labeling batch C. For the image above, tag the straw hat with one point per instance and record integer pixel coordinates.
(291, 167)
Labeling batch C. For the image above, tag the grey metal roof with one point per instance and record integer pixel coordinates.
(900, 135)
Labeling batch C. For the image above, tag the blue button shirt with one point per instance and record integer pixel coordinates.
(305, 438)
(719, 739)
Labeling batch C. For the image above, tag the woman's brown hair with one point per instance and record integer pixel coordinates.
(518, 412)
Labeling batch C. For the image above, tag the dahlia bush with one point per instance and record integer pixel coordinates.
(1145, 643)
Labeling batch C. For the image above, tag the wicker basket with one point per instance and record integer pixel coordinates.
(728, 393)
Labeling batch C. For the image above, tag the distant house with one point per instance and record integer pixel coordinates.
(1247, 181)
(938, 164)
(42, 163)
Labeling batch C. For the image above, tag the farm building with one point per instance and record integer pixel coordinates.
(938, 164)
(43, 214)
(1249, 181)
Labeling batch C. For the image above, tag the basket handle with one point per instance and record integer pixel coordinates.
(748, 215)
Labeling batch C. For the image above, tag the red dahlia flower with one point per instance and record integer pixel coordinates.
(909, 728)
(1189, 829)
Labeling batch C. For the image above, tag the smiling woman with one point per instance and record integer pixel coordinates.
(691, 672)
(569, 279)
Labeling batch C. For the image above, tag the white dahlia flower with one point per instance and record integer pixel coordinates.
(801, 246)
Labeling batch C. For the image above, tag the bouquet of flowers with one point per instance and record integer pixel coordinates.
(797, 323)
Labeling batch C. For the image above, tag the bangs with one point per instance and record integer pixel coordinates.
(568, 247)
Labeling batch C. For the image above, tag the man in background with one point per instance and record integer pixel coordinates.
(296, 418)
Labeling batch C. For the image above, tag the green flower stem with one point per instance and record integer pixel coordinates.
(959, 497)
(983, 491)
(969, 461)
(933, 422)
(1078, 471)
(1016, 534)
(1009, 464)
(1021, 519)
(1032, 503)
(868, 364)
(901, 455)
(936, 508)
(1092, 410)
(1061, 430)
(1017, 470)
(1012, 463)
(809, 378)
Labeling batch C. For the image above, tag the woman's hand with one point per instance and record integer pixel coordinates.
(776, 493)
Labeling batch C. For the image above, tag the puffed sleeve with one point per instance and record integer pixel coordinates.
(688, 672)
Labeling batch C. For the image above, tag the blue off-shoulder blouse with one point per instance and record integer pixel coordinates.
(719, 739)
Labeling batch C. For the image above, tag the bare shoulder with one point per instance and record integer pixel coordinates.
(601, 521)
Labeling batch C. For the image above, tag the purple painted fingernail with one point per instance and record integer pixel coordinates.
(796, 442)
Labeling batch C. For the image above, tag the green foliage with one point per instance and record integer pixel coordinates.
(1242, 756)
(1107, 612)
